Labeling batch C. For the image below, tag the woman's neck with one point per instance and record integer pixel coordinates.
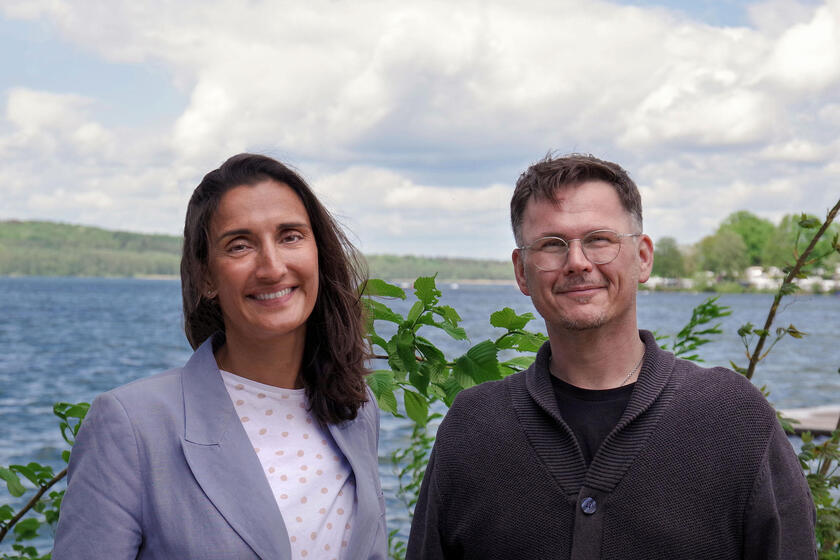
(276, 363)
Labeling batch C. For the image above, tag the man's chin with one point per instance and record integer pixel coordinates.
(582, 323)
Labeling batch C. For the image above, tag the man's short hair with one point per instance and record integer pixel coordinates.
(543, 179)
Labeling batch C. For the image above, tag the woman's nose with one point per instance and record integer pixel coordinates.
(271, 264)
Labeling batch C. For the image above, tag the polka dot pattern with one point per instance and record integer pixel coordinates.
(311, 480)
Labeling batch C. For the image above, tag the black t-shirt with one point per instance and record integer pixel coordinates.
(590, 413)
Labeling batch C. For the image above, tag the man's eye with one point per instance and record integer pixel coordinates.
(552, 245)
(599, 239)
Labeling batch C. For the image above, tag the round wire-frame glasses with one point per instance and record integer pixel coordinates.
(599, 247)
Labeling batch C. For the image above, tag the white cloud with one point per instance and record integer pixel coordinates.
(415, 118)
(797, 151)
(807, 55)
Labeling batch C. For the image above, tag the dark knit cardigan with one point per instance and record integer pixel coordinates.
(697, 467)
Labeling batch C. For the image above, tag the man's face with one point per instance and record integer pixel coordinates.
(581, 295)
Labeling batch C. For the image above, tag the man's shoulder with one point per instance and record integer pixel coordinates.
(486, 396)
(723, 395)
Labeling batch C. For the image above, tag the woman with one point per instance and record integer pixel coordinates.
(264, 445)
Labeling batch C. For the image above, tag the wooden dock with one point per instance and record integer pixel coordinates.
(819, 420)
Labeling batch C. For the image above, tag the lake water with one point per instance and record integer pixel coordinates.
(68, 339)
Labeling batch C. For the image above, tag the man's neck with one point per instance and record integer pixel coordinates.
(600, 358)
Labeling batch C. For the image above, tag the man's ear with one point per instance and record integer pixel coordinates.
(519, 271)
(645, 250)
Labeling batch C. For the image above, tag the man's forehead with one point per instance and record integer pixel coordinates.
(591, 194)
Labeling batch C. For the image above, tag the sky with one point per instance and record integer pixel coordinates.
(412, 120)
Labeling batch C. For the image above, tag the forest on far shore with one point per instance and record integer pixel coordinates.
(36, 248)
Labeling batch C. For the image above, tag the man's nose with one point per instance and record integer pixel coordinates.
(576, 260)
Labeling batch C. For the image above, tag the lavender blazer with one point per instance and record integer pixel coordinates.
(162, 468)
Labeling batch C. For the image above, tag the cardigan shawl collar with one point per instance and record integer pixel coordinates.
(558, 449)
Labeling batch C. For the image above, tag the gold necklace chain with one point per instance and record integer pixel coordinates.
(632, 371)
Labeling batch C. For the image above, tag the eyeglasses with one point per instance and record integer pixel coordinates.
(599, 247)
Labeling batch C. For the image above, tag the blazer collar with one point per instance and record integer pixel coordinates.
(223, 461)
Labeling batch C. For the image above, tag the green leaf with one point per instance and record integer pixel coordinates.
(462, 377)
(736, 368)
(449, 314)
(508, 319)
(65, 455)
(420, 379)
(806, 222)
(416, 407)
(27, 528)
(414, 314)
(405, 349)
(387, 401)
(745, 329)
(787, 289)
(16, 489)
(480, 363)
(523, 341)
(6, 512)
(380, 312)
(380, 288)
(429, 351)
(794, 332)
(377, 340)
(425, 290)
(519, 363)
(458, 333)
(450, 388)
(380, 381)
(28, 472)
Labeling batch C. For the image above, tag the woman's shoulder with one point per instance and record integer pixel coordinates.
(165, 382)
(143, 399)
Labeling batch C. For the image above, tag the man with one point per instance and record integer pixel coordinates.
(607, 446)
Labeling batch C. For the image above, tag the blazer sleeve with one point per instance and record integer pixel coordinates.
(780, 516)
(101, 513)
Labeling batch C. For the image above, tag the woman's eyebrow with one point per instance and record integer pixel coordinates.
(245, 231)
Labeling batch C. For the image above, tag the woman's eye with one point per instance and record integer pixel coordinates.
(237, 247)
(291, 237)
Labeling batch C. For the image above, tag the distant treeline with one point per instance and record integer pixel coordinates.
(742, 240)
(54, 249)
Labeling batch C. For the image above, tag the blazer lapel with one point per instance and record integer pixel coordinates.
(356, 439)
(223, 461)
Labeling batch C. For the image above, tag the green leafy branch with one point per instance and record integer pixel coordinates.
(424, 375)
(798, 270)
(42, 479)
(691, 336)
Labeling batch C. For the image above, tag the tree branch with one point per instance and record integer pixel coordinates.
(31, 503)
(800, 262)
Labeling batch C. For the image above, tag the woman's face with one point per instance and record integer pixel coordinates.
(263, 262)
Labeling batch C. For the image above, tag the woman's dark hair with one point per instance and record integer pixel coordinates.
(333, 366)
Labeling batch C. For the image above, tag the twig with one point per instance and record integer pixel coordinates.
(800, 261)
(31, 503)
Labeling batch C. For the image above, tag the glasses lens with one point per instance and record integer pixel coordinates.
(548, 253)
(601, 247)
